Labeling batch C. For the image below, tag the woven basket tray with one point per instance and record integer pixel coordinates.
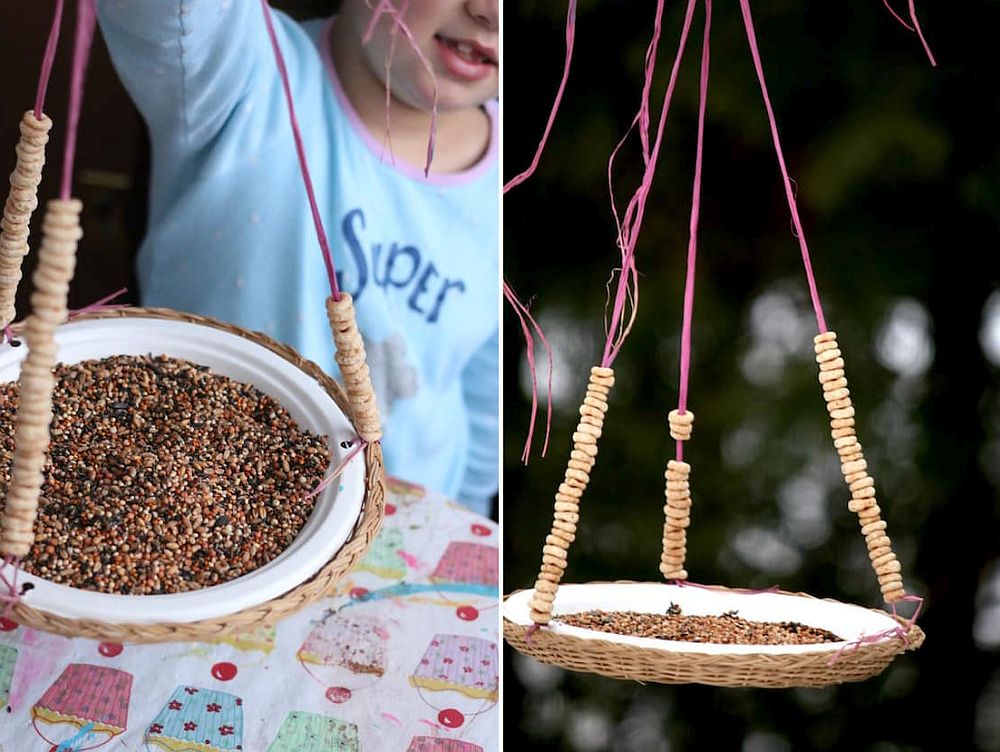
(671, 662)
(318, 586)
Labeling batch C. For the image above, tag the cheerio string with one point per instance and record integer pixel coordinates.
(301, 152)
(915, 28)
(632, 222)
(86, 20)
(692, 254)
(48, 59)
(570, 36)
(789, 191)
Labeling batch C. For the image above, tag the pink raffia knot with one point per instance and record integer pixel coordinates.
(9, 593)
(359, 444)
(530, 633)
(901, 631)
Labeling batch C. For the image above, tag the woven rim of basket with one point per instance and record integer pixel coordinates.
(320, 585)
(803, 669)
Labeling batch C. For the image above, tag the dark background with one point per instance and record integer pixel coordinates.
(899, 187)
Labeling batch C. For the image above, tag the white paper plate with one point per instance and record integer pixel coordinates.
(846, 621)
(333, 517)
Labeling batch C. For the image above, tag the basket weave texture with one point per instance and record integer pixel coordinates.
(319, 586)
(619, 661)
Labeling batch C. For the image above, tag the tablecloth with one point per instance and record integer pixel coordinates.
(403, 657)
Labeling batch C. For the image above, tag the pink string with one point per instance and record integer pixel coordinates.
(86, 20)
(99, 305)
(570, 36)
(528, 323)
(386, 6)
(629, 234)
(13, 595)
(745, 591)
(301, 152)
(525, 318)
(915, 28)
(338, 471)
(48, 59)
(693, 238)
(789, 192)
(900, 631)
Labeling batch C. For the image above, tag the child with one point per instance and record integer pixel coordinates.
(230, 233)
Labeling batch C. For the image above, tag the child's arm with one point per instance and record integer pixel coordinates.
(481, 385)
(187, 64)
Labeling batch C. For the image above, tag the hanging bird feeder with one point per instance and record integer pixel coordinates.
(676, 631)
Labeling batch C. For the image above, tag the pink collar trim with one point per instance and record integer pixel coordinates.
(381, 152)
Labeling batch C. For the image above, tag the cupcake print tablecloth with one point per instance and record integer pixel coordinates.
(403, 657)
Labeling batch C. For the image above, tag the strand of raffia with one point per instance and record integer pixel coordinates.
(567, 503)
(340, 308)
(677, 509)
(56, 264)
(628, 235)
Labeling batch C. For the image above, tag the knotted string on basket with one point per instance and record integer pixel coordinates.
(13, 596)
(527, 322)
(359, 444)
(103, 304)
(901, 631)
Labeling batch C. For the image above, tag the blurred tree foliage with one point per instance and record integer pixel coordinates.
(898, 178)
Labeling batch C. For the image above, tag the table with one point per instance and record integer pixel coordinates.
(402, 657)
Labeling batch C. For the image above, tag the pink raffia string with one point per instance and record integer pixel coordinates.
(399, 25)
(48, 59)
(529, 633)
(300, 150)
(900, 630)
(692, 255)
(746, 591)
(528, 323)
(789, 192)
(86, 20)
(915, 27)
(360, 444)
(570, 36)
(636, 209)
(97, 305)
(13, 594)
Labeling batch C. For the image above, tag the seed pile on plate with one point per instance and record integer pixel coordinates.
(163, 477)
(728, 629)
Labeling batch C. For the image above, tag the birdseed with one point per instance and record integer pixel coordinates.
(728, 629)
(163, 477)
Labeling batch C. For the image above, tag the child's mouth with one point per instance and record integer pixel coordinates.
(466, 59)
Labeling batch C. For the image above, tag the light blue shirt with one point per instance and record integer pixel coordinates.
(230, 233)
